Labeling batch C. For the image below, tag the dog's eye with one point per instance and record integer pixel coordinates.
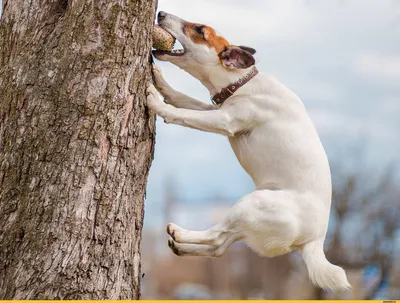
(199, 29)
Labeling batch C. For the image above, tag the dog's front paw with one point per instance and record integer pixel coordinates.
(156, 70)
(158, 77)
(153, 99)
(151, 91)
(162, 86)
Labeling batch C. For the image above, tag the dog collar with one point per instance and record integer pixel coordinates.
(232, 88)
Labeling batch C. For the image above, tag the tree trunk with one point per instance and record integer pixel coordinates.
(76, 143)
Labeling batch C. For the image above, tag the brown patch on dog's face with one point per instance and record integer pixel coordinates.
(203, 34)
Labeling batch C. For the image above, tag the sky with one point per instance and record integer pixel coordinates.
(341, 57)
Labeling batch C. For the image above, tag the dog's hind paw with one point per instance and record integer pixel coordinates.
(174, 231)
(172, 246)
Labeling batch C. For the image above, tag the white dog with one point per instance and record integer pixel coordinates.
(274, 140)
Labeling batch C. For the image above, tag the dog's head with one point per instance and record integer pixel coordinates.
(202, 47)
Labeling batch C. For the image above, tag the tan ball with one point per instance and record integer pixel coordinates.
(162, 40)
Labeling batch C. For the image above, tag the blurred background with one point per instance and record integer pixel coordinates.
(342, 57)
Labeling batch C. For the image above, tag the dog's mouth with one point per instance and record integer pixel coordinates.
(177, 50)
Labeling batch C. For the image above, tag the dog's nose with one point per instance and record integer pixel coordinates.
(161, 16)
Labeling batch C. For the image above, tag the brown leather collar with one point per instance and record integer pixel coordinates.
(232, 88)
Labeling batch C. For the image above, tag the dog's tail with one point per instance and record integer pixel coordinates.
(323, 273)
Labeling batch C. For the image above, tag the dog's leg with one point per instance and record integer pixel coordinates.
(215, 235)
(204, 250)
(216, 121)
(176, 98)
(269, 221)
(209, 243)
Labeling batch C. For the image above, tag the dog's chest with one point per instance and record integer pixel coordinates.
(283, 154)
(250, 149)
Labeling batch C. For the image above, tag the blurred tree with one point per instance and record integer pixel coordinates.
(365, 218)
(76, 142)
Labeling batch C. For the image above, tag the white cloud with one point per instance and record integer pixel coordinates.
(353, 127)
(390, 106)
(379, 67)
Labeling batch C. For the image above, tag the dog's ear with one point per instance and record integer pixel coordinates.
(248, 49)
(236, 57)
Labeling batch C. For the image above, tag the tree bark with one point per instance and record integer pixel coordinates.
(76, 143)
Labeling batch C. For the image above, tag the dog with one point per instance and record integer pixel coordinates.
(274, 140)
